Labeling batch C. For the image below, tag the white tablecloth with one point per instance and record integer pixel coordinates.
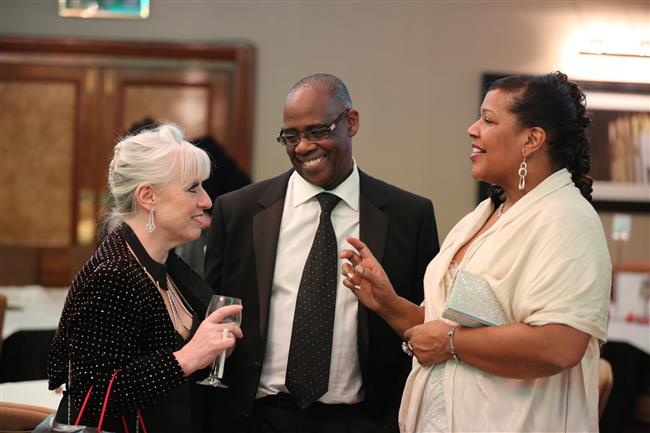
(32, 308)
(32, 392)
(636, 334)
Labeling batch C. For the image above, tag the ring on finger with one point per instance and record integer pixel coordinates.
(407, 348)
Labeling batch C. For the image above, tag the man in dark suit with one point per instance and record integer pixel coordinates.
(260, 250)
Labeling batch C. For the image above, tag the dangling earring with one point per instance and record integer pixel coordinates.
(523, 171)
(150, 226)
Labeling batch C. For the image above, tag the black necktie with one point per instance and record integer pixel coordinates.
(308, 367)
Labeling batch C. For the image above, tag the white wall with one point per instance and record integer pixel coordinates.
(413, 67)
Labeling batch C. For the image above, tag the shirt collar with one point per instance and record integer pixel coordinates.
(347, 191)
(157, 270)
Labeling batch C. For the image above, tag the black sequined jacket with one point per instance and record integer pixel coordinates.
(115, 318)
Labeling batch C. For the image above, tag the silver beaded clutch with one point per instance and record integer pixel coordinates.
(471, 302)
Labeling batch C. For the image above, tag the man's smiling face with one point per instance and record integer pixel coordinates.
(328, 162)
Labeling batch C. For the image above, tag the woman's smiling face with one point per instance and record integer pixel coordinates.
(180, 212)
(497, 140)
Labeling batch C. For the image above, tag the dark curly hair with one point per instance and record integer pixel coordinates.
(557, 105)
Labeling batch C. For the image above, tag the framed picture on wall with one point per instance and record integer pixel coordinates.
(120, 9)
(620, 143)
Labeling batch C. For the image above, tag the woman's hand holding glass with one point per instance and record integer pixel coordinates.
(366, 278)
(218, 303)
(208, 342)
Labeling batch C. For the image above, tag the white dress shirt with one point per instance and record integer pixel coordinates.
(300, 219)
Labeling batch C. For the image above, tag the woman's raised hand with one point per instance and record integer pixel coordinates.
(208, 340)
(366, 278)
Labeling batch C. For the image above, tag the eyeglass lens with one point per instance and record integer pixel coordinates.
(314, 134)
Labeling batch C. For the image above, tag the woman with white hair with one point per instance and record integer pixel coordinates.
(135, 308)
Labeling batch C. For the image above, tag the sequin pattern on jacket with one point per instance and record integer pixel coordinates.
(114, 317)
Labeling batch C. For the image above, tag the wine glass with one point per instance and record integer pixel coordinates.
(216, 373)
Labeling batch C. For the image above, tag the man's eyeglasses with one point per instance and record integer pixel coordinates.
(291, 137)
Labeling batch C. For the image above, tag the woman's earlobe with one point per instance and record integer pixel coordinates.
(534, 141)
(536, 137)
(145, 196)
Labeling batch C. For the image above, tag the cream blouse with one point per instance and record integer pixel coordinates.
(546, 260)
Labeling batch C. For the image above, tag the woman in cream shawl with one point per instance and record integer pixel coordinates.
(540, 245)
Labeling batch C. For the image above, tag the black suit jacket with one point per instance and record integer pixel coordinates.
(399, 228)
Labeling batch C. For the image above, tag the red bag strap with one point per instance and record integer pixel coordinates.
(126, 428)
(144, 427)
(108, 394)
(105, 404)
(83, 406)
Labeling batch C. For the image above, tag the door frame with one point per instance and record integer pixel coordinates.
(56, 266)
(240, 55)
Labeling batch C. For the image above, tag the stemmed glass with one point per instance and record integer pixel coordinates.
(216, 373)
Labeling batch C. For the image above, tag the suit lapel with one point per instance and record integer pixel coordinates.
(373, 226)
(373, 222)
(266, 229)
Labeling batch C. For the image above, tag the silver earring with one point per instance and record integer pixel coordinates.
(150, 226)
(523, 171)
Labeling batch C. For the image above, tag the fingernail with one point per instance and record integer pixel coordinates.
(359, 269)
(350, 275)
(357, 287)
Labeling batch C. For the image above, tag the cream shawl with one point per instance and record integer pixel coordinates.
(546, 260)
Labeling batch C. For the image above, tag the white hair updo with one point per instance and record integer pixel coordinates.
(153, 157)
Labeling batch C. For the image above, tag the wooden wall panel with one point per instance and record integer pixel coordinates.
(37, 124)
(221, 114)
(184, 105)
(57, 180)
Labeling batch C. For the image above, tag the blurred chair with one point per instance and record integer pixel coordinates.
(24, 355)
(631, 368)
(605, 384)
(18, 265)
(15, 417)
(642, 410)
